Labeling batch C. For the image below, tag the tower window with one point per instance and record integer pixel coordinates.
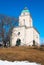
(24, 20)
(24, 13)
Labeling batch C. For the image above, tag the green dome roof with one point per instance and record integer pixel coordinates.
(25, 10)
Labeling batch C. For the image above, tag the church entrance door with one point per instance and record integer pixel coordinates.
(18, 42)
(33, 42)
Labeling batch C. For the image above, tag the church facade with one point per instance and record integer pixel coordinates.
(25, 34)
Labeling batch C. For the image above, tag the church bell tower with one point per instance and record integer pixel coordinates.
(25, 18)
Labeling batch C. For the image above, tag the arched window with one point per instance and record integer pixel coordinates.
(18, 33)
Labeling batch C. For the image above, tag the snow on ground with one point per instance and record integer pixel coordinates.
(17, 63)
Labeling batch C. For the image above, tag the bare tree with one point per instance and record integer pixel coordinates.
(7, 23)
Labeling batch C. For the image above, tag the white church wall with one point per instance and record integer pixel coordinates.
(36, 37)
(15, 35)
(32, 34)
(29, 36)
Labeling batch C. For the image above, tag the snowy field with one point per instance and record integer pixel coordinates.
(17, 63)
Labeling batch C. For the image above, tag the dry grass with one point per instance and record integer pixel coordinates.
(32, 54)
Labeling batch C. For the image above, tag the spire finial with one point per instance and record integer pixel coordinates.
(25, 8)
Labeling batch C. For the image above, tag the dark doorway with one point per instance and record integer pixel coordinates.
(18, 42)
(33, 42)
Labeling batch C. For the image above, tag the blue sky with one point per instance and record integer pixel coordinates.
(13, 8)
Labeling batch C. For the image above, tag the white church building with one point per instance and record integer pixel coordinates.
(25, 34)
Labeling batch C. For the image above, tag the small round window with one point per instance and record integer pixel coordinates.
(18, 33)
